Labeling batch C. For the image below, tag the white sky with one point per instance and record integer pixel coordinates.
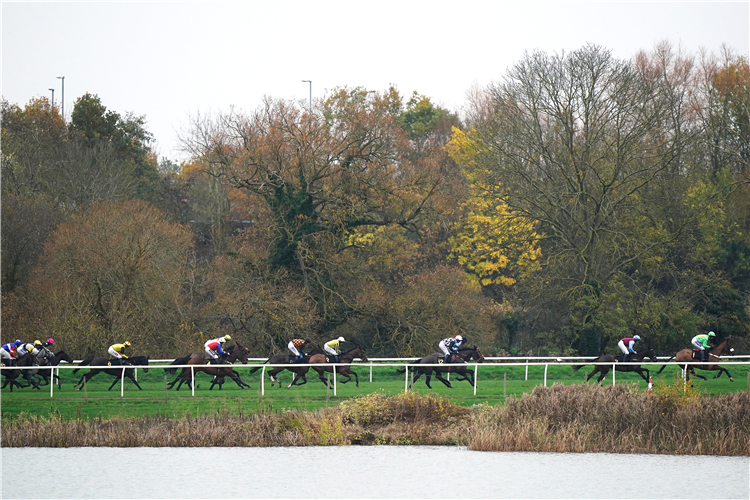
(170, 60)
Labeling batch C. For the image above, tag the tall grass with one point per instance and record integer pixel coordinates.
(589, 418)
(561, 418)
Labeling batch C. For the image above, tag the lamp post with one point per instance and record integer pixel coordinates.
(62, 77)
(309, 82)
(53, 97)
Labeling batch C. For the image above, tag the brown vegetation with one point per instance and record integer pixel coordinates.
(579, 418)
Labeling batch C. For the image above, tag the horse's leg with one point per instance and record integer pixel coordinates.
(468, 376)
(640, 372)
(601, 377)
(132, 377)
(440, 378)
(117, 379)
(722, 370)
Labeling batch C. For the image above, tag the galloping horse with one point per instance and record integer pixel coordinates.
(46, 358)
(686, 356)
(299, 369)
(11, 376)
(603, 370)
(219, 371)
(111, 367)
(345, 360)
(458, 367)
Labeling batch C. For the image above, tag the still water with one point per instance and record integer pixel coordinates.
(363, 472)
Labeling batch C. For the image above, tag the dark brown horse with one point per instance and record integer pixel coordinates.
(603, 370)
(11, 376)
(289, 362)
(114, 367)
(459, 366)
(686, 356)
(199, 363)
(343, 367)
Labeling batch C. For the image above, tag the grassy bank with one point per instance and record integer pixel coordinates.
(561, 418)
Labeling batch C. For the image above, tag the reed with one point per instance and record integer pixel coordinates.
(589, 418)
(560, 418)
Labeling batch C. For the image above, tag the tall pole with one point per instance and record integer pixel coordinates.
(53, 97)
(310, 83)
(62, 77)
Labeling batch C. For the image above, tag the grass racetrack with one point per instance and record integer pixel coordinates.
(496, 382)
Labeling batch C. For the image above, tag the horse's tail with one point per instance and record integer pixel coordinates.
(85, 362)
(253, 370)
(403, 370)
(179, 361)
(577, 367)
(664, 366)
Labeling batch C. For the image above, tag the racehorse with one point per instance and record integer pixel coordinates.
(299, 369)
(199, 363)
(686, 356)
(111, 367)
(345, 360)
(46, 358)
(603, 370)
(11, 376)
(459, 366)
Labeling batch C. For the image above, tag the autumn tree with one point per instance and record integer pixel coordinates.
(112, 272)
(323, 173)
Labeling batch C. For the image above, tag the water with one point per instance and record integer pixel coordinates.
(363, 472)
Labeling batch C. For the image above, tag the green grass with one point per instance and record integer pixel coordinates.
(495, 384)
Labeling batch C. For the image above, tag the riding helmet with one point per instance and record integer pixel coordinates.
(37, 342)
(127, 342)
(637, 337)
(18, 342)
(459, 338)
(711, 334)
(341, 339)
(227, 337)
(50, 340)
(307, 341)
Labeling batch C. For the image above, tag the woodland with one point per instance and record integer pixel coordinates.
(577, 200)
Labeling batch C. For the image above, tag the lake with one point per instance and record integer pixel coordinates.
(363, 472)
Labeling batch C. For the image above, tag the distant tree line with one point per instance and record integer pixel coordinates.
(576, 201)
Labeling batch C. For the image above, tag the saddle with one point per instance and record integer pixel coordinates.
(699, 355)
(330, 358)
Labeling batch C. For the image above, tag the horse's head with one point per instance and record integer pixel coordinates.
(141, 361)
(650, 354)
(63, 356)
(356, 352)
(728, 349)
(238, 351)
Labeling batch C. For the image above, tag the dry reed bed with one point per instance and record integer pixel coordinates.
(578, 418)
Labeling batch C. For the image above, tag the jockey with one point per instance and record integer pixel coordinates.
(703, 342)
(332, 347)
(450, 344)
(117, 351)
(297, 348)
(213, 348)
(25, 347)
(626, 346)
(8, 351)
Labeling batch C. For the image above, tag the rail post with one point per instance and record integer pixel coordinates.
(476, 368)
(370, 371)
(527, 370)
(51, 381)
(263, 381)
(545, 375)
(613, 374)
(406, 378)
(334, 380)
(122, 383)
(192, 379)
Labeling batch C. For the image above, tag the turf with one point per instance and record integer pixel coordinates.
(496, 382)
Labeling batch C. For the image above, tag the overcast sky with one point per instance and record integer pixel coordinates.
(170, 60)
